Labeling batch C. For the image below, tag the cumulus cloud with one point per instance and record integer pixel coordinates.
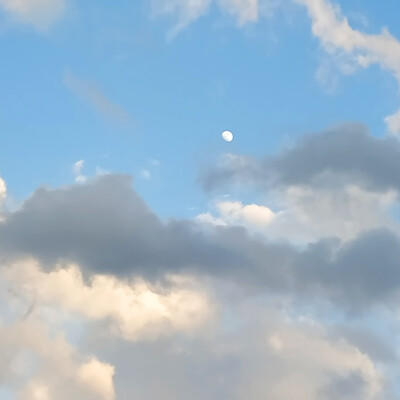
(236, 213)
(138, 309)
(308, 214)
(191, 305)
(106, 228)
(245, 362)
(337, 37)
(39, 13)
(38, 366)
(347, 185)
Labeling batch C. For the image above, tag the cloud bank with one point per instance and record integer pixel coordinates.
(113, 288)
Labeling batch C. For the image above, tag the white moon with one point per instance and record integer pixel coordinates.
(227, 136)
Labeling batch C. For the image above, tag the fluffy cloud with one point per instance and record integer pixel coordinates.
(137, 309)
(38, 366)
(105, 227)
(39, 13)
(266, 354)
(236, 213)
(308, 214)
(347, 185)
(186, 305)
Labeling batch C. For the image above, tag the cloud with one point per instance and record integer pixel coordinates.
(94, 96)
(216, 312)
(77, 169)
(187, 12)
(348, 185)
(244, 10)
(338, 38)
(307, 214)
(39, 13)
(38, 366)
(239, 362)
(106, 228)
(137, 309)
(345, 154)
(237, 213)
(3, 190)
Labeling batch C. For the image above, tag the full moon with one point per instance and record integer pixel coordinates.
(227, 136)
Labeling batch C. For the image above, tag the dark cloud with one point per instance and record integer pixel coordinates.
(344, 154)
(106, 227)
(359, 272)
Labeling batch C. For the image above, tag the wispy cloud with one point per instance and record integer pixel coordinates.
(361, 49)
(95, 97)
(187, 12)
(39, 13)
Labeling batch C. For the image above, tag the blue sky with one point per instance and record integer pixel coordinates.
(178, 95)
(224, 268)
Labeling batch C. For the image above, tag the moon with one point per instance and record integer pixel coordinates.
(227, 136)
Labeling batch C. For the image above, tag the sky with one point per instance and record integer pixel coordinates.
(144, 257)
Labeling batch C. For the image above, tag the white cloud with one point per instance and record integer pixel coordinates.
(393, 122)
(244, 10)
(309, 214)
(252, 216)
(187, 11)
(47, 367)
(98, 377)
(307, 359)
(137, 309)
(77, 169)
(39, 13)
(3, 191)
(236, 212)
(338, 38)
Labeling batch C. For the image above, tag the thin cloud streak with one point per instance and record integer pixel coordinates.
(91, 94)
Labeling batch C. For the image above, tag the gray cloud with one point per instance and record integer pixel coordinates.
(359, 272)
(349, 387)
(265, 356)
(106, 227)
(344, 154)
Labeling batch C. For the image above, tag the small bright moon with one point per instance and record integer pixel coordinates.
(227, 136)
